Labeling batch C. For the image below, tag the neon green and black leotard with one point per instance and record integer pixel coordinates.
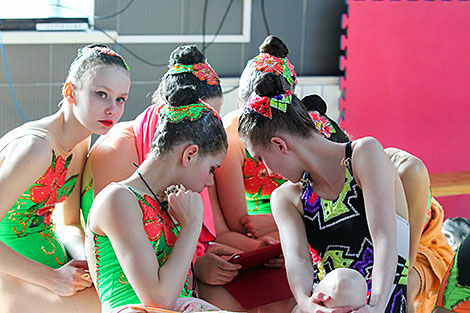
(28, 227)
(113, 287)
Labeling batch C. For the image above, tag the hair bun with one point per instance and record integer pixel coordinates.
(186, 55)
(274, 46)
(314, 103)
(182, 95)
(268, 85)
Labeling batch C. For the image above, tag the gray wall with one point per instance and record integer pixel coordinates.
(311, 29)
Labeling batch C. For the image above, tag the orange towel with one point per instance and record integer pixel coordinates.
(433, 258)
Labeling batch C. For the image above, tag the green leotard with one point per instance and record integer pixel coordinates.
(28, 228)
(86, 200)
(113, 287)
(258, 185)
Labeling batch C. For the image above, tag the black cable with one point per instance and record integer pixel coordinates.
(129, 50)
(222, 21)
(96, 17)
(230, 90)
(264, 18)
(103, 17)
(204, 17)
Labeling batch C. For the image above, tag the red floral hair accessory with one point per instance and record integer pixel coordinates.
(203, 71)
(263, 105)
(322, 124)
(268, 63)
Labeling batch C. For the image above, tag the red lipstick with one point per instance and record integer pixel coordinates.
(107, 122)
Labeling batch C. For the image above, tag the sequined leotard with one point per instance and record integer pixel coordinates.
(338, 231)
(28, 227)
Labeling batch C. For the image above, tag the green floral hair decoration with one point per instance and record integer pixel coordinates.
(192, 112)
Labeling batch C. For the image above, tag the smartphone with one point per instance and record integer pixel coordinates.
(255, 258)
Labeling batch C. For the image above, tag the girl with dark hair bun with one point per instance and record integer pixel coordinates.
(244, 186)
(161, 211)
(112, 157)
(345, 200)
(40, 163)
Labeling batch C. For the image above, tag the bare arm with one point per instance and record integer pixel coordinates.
(23, 162)
(70, 229)
(377, 177)
(415, 179)
(285, 204)
(229, 181)
(157, 286)
(111, 160)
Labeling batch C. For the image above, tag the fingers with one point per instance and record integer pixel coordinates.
(275, 262)
(79, 263)
(220, 251)
(319, 297)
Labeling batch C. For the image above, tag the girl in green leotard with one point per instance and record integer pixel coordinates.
(40, 163)
(140, 240)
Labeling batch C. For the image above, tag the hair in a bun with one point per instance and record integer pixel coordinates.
(186, 55)
(204, 129)
(274, 46)
(268, 85)
(314, 103)
(181, 96)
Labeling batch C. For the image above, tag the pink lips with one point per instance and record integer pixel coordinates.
(107, 122)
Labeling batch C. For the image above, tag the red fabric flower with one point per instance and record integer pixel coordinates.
(47, 188)
(259, 105)
(157, 222)
(257, 179)
(204, 72)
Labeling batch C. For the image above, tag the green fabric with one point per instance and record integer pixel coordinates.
(113, 287)
(86, 200)
(258, 186)
(28, 228)
(454, 293)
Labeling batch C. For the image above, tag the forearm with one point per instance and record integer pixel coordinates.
(300, 277)
(73, 238)
(237, 240)
(383, 273)
(173, 273)
(16, 265)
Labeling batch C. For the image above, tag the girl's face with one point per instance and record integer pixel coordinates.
(99, 97)
(202, 171)
(276, 160)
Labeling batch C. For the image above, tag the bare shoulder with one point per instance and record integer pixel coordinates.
(367, 145)
(230, 120)
(29, 151)
(115, 207)
(287, 193)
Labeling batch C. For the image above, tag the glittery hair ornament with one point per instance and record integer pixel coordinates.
(263, 105)
(190, 112)
(101, 50)
(203, 71)
(322, 124)
(267, 63)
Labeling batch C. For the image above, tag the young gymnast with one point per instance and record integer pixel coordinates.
(40, 163)
(430, 253)
(149, 262)
(345, 200)
(454, 292)
(112, 157)
(244, 186)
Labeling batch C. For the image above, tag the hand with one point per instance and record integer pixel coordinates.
(276, 261)
(211, 269)
(71, 278)
(185, 206)
(267, 241)
(318, 303)
(258, 225)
